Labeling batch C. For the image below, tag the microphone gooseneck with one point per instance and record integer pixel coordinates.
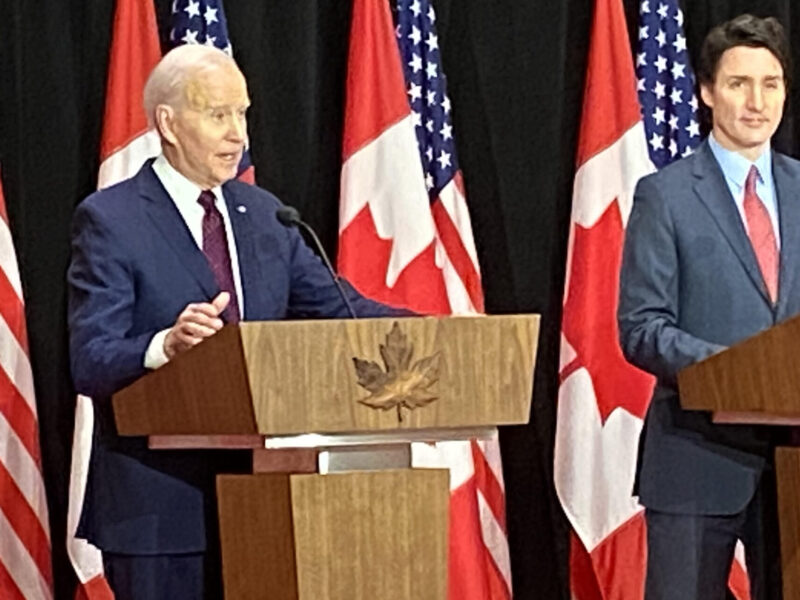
(290, 217)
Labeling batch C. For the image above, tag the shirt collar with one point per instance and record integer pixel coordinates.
(178, 186)
(736, 167)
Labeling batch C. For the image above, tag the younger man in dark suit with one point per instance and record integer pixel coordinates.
(712, 256)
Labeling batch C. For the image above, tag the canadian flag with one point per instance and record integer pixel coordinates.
(125, 145)
(602, 399)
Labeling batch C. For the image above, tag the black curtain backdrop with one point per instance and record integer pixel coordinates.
(516, 71)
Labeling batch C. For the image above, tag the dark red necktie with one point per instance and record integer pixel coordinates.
(215, 247)
(762, 236)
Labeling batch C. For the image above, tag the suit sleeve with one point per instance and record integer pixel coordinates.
(104, 355)
(314, 294)
(649, 291)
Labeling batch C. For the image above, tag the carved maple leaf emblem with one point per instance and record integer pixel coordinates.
(401, 385)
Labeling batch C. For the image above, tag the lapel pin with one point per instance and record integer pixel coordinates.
(241, 208)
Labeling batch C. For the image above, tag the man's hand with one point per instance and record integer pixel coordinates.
(197, 321)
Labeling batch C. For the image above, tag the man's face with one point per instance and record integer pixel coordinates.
(746, 99)
(209, 128)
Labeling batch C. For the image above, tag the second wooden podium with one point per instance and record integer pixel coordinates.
(758, 382)
(345, 398)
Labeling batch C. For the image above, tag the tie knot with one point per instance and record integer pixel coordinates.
(207, 200)
(750, 182)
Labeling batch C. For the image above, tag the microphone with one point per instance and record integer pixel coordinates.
(290, 217)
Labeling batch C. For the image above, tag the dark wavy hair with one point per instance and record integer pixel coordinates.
(744, 30)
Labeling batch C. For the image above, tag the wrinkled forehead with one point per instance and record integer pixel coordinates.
(214, 87)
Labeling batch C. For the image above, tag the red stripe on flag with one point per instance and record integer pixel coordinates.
(488, 485)
(454, 246)
(364, 259)
(9, 589)
(25, 523)
(20, 417)
(610, 82)
(135, 51)
(96, 588)
(376, 89)
(468, 575)
(738, 581)
(13, 311)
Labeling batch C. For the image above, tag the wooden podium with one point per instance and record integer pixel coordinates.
(329, 408)
(758, 382)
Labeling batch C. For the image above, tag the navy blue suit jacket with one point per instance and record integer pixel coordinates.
(134, 268)
(690, 286)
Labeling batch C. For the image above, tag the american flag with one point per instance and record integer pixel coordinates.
(431, 116)
(199, 22)
(405, 238)
(25, 569)
(427, 92)
(665, 83)
(203, 22)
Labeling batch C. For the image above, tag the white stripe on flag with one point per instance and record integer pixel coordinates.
(87, 560)
(457, 295)
(456, 206)
(20, 565)
(8, 258)
(491, 450)
(23, 470)
(494, 538)
(127, 161)
(14, 362)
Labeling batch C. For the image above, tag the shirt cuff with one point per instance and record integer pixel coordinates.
(154, 356)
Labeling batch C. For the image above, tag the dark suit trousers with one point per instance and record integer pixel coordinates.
(689, 556)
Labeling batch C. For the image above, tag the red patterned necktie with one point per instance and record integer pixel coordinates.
(215, 247)
(761, 234)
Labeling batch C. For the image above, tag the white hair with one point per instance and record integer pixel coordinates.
(168, 79)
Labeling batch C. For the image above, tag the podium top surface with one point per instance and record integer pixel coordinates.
(757, 379)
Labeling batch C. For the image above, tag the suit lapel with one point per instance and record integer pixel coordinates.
(713, 192)
(166, 218)
(787, 188)
(255, 285)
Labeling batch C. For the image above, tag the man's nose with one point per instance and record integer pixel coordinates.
(755, 100)
(238, 128)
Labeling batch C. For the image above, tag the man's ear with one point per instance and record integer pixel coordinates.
(706, 95)
(165, 123)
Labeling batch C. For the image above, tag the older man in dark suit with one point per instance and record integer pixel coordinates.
(712, 256)
(160, 262)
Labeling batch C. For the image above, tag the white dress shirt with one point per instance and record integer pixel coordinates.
(184, 193)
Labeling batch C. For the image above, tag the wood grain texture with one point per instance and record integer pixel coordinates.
(787, 470)
(257, 537)
(368, 535)
(303, 379)
(759, 375)
(202, 391)
(288, 377)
